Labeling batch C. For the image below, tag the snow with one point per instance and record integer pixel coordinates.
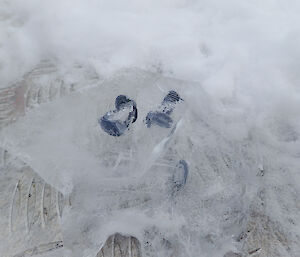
(234, 63)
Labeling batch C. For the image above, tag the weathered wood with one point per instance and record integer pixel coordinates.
(118, 245)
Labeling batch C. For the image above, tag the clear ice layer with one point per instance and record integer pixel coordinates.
(136, 186)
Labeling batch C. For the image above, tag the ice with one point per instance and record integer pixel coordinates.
(234, 64)
(124, 184)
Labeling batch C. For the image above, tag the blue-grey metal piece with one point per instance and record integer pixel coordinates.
(158, 118)
(162, 118)
(180, 175)
(172, 97)
(113, 125)
(123, 101)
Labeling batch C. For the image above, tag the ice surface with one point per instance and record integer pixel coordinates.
(234, 63)
(124, 184)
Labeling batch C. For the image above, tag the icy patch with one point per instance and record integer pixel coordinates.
(124, 184)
